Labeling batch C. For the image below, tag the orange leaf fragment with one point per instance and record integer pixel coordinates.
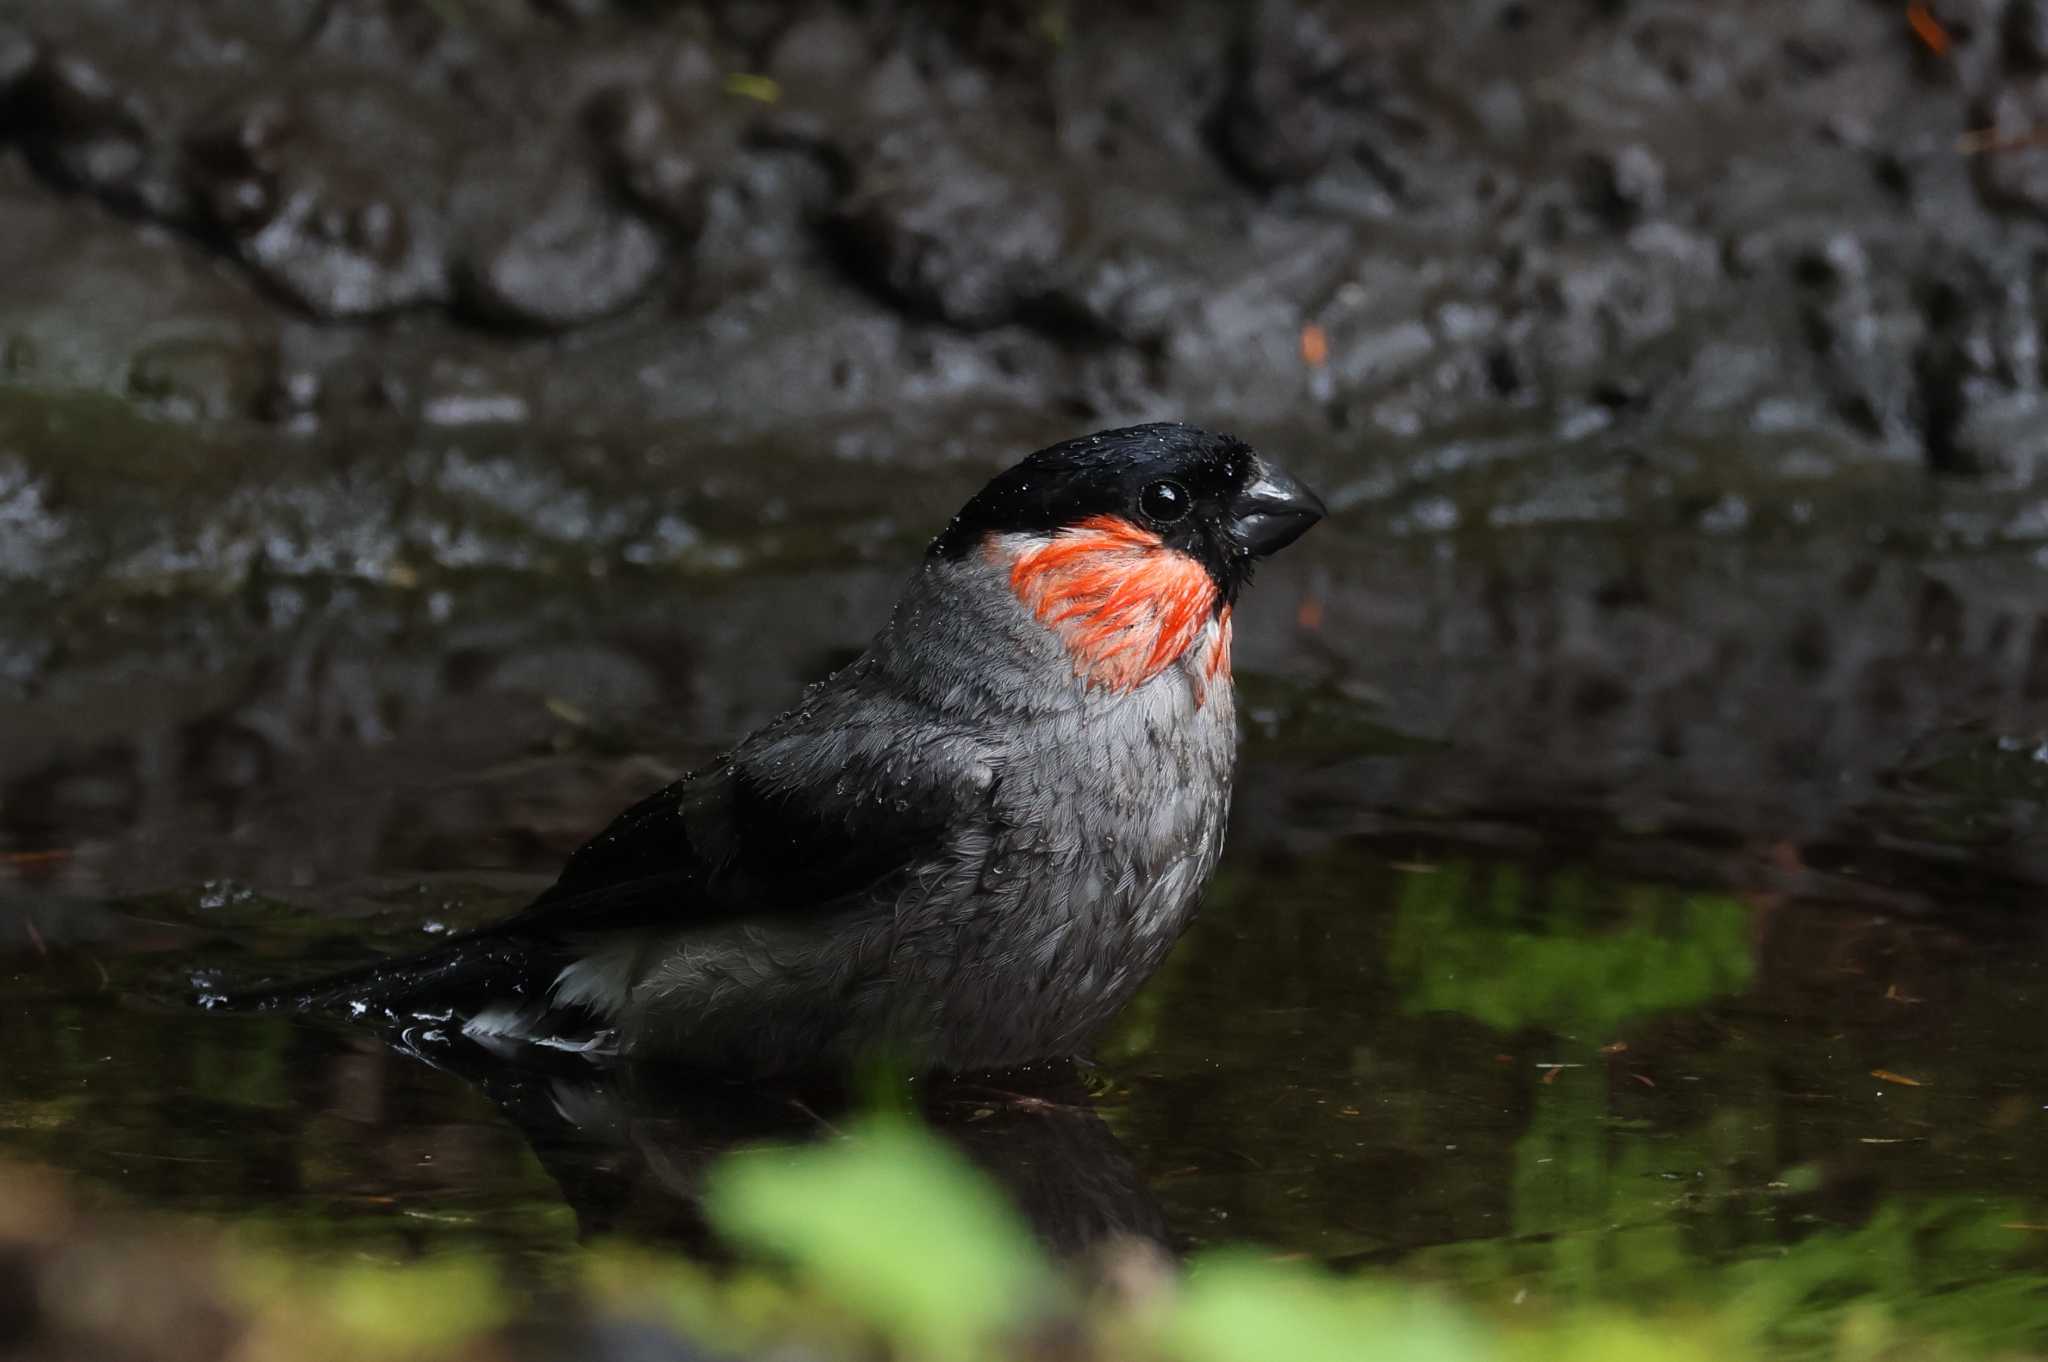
(1315, 346)
(1889, 1077)
(1928, 29)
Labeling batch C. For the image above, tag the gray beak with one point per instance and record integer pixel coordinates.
(1272, 511)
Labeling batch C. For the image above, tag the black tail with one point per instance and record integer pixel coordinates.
(456, 978)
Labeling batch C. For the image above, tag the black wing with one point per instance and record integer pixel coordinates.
(813, 813)
(808, 814)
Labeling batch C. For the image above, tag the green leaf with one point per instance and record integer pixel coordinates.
(1240, 1307)
(894, 1223)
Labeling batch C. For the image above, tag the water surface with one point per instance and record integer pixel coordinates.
(1526, 1079)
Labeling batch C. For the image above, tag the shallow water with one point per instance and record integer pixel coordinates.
(1531, 1080)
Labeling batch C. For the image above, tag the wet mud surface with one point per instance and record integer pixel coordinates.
(1636, 881)
(1676, 375)
(757, 219)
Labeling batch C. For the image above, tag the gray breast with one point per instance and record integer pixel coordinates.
(1025, 935)
(1112, 817)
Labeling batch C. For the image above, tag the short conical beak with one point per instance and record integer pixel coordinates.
(1272, 511)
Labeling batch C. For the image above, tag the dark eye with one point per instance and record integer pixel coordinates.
(1165, 502)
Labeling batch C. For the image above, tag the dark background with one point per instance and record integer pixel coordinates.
(393, 390)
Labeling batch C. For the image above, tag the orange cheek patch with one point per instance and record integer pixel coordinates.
(1126, 606)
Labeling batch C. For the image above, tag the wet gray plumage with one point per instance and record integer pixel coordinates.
(955, 852)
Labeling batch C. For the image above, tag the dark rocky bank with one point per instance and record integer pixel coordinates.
(393, 388)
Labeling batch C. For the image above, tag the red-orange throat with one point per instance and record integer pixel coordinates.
(1126, 606)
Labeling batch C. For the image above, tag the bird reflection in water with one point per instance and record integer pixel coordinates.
(630, 1144)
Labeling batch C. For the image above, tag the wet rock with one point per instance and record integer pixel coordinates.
(291, 396)
(824, 48)
(1978, 371)
(1283, 140)
(87, 130)
(85, 295)
(195, 380)
(751, 24)
(2000, 436)
(2011, 165)
(948, 231)
(1373, 356)
(577, 11)
(764, 205)
(1274, 128)
(569, 253)
(660, 126)
(334, 195)
(1623, 187)
(2024, 33)
(18, 57)
(1314, 85)
(651, 157)
(1573, 305)
(427, 43)
(473, 408)
(1864, 337)
(1129, 292)
(1137, 214)
(29, 526)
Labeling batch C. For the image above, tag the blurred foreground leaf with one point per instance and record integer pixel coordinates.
(894, 1222)
(1242, 1308)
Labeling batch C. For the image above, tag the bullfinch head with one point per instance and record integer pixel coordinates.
(1132, 545)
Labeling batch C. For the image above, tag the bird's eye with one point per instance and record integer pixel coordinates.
(1165, 502)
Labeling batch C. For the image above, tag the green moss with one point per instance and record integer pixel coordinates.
(1590, 960)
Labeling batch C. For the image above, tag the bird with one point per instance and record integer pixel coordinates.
(961, 852)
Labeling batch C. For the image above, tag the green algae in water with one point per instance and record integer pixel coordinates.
(1571, 955)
